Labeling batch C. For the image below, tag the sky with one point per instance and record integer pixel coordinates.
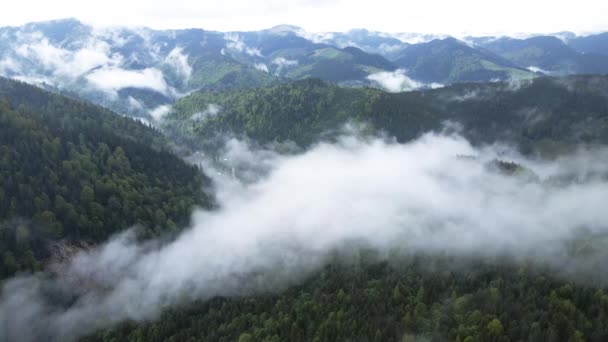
(428, 16)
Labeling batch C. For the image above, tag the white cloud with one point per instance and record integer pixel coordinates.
(235, 42)
(316, 37)
(112, 79)
(397, 81)
(466, 96)
(159, 112)
(135, 103)
(34, 58)
(178, 61)
(9, 65)
(38, 80)
(63, 62)
(283, 63)
(117, 36)
(432, 16)
(211, 111)
(142, 120)
(388, 48)
(413, 37)
(261, 66)
(540, 70)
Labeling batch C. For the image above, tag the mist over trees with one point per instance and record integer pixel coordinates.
(546, 115)
(333, 214)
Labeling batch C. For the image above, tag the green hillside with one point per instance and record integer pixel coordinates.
(547, 113)
(75, 173)
(450, 61)
(419, 299)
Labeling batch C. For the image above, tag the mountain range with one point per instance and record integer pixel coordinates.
(330, 207)
(74, 173)
(140, 71)
(545, 116)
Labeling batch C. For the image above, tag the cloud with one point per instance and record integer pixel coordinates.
(142, 120)
(61, 62)
(532, 116)
(414, 38)
(38, 80)
(96, 57)
(9, 66)
(282, 63)
(159, 112)
(390, 48)
(116, 36)
(261, 66)
(538, 70)
(516, 84)
(281, 224)
(179, 62)
(135, 103)
(235, 42)
(316, 37)
(112, 79)
(397, 81)
(211, 111)
(467, 95)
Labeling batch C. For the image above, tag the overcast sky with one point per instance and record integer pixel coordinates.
(427, 16)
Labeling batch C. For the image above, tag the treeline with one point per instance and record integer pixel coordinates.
(74, 172)
(417, 299)
(544, 114)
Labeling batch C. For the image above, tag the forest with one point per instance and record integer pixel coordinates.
(419, 298)
(544, 115)
(72, 174)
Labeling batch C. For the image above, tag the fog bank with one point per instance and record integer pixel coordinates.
(281, 216)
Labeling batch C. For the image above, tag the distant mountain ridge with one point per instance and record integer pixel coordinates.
(545, 115)
(141, 72)
(549, 55)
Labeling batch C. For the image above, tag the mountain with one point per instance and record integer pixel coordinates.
(383, 301)
(549, 55)
(141, 72)
(283, 52)
(594, 44)
(363, 294)
(369, 41)
(73, 174)
(542, 115)
(450, 60)
(132, 71)
(137, 71)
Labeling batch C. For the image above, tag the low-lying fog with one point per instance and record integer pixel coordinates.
(281, 216)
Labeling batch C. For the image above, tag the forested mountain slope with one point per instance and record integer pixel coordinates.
(135, 71)
(77, 173)
(549, 55)
(450, 61)
(435, 297)
(542, 113)
(421, 299)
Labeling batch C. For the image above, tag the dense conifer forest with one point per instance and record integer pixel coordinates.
(73, 174)
(544, 115)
